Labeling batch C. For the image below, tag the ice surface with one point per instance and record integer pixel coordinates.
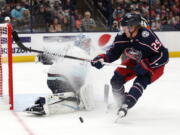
(156, 113)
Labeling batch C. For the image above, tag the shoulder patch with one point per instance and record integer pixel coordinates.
(145, 34)
(120, 33)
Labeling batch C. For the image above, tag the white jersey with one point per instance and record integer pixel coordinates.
(73, 70)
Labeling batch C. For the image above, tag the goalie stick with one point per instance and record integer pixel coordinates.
(106, 96)
(22, 46)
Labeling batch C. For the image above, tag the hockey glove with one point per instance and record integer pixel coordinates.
(97, 62)
(142, 68)
(44, 59)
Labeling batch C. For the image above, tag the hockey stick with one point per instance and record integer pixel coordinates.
(22, 46)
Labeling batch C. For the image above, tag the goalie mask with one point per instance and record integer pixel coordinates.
(84, 42)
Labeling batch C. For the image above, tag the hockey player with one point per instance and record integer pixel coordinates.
(145, 59)
(66, 79)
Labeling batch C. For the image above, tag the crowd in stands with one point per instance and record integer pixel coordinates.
(47, 16)
(63, 15)
(164, 14)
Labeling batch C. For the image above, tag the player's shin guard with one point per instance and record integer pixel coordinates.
(117, 83)
(119, 96)
(131, 99)
(134, 94)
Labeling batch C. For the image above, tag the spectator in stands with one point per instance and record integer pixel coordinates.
(1, 17)
(40, 24)
(175, 8)
(68, 19)
(68, 4)
(17, 15)
(45, 2)
(65, 24)
(88, 23)
(57, 9)
(25, 3)
(26, 21)
(78, 22)
(118, 17)
(17, 12)
(48, 14)
(6, 10)
(35, 7)
(156, 25)
(115, 26)
(9, 1)
(119, 2)
(117, 12)
(177, 22)
(55, 26)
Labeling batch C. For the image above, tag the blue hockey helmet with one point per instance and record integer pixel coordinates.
(131, 19)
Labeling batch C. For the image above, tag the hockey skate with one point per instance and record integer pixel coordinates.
(122, 112)
(37, 108)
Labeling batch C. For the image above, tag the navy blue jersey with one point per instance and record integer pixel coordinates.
(145, 41)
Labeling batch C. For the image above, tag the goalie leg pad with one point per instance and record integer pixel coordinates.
(63, 107)
(62, 103)
(58, 84)
(57, 103)
(86, 96)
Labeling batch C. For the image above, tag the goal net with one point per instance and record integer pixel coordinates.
(6, 74)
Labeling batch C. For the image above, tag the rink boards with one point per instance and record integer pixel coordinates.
(36, 41)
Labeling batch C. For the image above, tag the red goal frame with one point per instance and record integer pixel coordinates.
(7, 28)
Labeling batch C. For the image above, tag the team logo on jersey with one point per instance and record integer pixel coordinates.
(145, 34)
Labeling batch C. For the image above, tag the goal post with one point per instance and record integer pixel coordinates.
(6, 66)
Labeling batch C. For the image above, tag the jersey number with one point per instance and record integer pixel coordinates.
(156, 45)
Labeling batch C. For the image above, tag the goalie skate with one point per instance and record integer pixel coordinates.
(38, 107)
(36, 110)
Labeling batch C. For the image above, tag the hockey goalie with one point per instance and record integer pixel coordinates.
(66, 79)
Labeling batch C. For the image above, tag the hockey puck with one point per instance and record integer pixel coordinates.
(81, 119)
